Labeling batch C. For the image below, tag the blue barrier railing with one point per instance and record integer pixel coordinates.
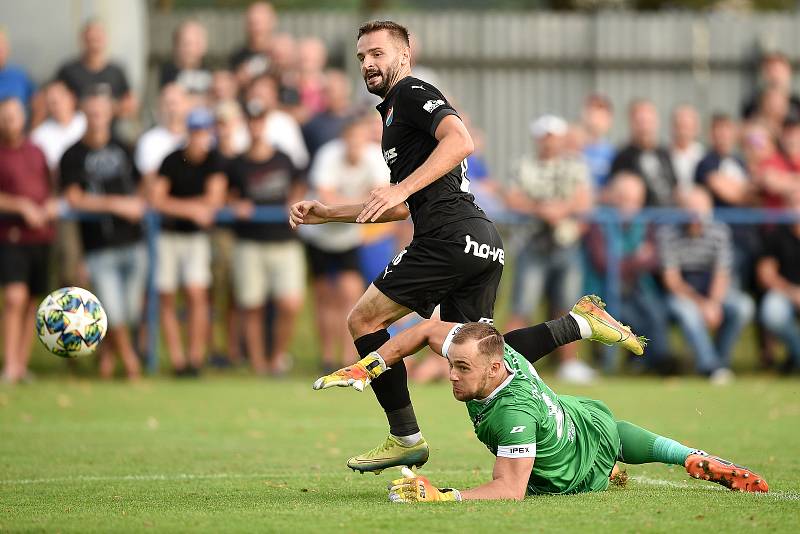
(610, 218)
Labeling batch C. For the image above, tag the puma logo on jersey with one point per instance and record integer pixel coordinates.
(517, 429)
(390, 155)
(418, 87)
(484, 251)
(430, 105)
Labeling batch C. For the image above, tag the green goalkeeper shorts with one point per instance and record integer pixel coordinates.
(603, 420)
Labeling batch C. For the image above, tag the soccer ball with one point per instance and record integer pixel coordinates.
(71, 322)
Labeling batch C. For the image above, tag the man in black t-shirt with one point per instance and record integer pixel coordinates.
(456, 257)
(93, 69)
(268, 259)
(188, 192)
(188, 67)
(644, 156)
(779, 272)
(253, 58)
(98, 175)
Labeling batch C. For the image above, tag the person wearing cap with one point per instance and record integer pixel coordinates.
(645, 157)
(188, 191)
(554, 190)
(268, 259)
(98, 175)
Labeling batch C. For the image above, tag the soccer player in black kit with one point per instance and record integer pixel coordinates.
(456, 257)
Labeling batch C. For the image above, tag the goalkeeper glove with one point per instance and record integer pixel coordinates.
(358, 375)
(415, 488)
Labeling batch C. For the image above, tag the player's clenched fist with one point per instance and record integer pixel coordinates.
(415, 488)
(308, 212)
(358, 375)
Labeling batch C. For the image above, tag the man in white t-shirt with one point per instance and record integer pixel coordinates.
(685, 151)
(64, 124)
(281, 130)
(168, 135)
(344, 171)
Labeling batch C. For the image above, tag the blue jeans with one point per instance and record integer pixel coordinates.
(737, 308)
(779, 316)
(644, 312)
(119, 277)
(558, 272)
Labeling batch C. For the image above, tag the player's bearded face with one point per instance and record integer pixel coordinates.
(468, 378)
(380, 77)
(381, 58)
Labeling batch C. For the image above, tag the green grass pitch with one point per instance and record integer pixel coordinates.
(243, 454)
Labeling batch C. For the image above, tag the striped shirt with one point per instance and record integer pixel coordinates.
(696, 256)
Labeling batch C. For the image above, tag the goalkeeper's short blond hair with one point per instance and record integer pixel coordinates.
(490, 341)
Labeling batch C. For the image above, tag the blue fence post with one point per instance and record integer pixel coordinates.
(152, 226)
(613, 297)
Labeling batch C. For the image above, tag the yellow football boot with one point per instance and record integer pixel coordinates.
(390, 453)
(605, 328)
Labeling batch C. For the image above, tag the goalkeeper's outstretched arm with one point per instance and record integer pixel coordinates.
(509, 481)
(431, 333)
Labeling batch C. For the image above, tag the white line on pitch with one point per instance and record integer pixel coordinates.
(640, 479)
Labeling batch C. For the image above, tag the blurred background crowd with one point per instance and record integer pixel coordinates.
(221, 149)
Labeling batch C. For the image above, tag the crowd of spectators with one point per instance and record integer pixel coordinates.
(276, 124)
(709, 278)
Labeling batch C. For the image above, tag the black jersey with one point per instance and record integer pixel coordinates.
(411, 112)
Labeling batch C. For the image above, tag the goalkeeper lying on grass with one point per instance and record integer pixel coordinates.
(543, 442)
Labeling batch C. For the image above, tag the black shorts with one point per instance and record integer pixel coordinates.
(324, 263)
(458, 268)
(27, 264)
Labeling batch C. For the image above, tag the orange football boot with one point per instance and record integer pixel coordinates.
(728, 474)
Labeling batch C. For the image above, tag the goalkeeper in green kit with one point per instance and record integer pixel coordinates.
(543, 443)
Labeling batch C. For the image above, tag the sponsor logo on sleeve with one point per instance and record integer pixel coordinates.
(517, 429)
(517, 451)
(430, 105)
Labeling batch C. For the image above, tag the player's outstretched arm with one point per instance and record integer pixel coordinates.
(431, 333)
(315, 212)
(509, 481)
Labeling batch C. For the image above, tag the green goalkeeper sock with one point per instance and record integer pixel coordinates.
(640, 446)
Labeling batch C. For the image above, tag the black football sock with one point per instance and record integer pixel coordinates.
(535, 342)
(391, 388)
(565, 329)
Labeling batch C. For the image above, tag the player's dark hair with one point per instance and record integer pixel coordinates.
(490, 341)
(395, 30)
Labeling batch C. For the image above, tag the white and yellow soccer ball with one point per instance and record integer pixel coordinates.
(71, 322)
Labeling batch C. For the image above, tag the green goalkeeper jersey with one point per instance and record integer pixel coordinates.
(524, 418)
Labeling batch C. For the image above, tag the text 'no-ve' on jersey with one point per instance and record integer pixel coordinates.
(411, 112)
(524, 418)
